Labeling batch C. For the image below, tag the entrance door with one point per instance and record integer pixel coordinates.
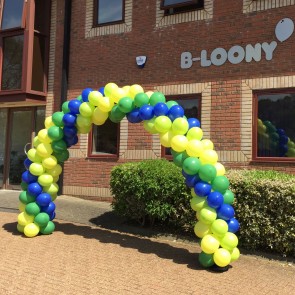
(22, 124)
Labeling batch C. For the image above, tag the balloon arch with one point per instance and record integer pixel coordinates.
(211, 198)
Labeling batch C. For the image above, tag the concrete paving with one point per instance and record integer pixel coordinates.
(80, 258)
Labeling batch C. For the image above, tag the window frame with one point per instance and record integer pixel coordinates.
(95, 16)
(28, 31)
(102, 156)
(177, 97)
(255, 158)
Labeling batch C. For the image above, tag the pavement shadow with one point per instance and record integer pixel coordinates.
(143, 245)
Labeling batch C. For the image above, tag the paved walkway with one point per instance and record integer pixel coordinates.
(79, 258)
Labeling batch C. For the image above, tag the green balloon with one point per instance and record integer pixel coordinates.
(26, 198)
(24, 185)
(206, 260)
(80, 98)
(62, 156)
(228, 197)
(32, 208)
(126, 104)
(171, 103)
(116, 115)
(178, 158)
(55, 133)
(157, 97)
(220, 184)
(65, 107)
(141, 99)
(191, 165)
(59, 146)
(42, 219)
(48, 229)
(57, 119)
(207, 172)
(219, 227)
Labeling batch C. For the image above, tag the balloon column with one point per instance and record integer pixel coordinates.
(211, 198)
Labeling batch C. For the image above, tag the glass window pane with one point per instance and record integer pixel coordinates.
(110, 11)
(12, 62)
(174, 2)
(12, 14)
(3, 124)
(40, 118)
(276, 125)
(105, 139)
(42, 13)
(38, 63)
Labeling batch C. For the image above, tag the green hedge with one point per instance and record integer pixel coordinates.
(154, 191)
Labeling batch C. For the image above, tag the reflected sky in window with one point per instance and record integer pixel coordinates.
(171, 2)
(110, 11)
(12, 14)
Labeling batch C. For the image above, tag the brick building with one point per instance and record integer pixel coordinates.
(230, 63)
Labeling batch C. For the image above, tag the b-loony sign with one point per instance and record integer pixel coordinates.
(236, 54)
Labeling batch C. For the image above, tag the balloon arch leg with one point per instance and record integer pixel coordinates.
(211, 198)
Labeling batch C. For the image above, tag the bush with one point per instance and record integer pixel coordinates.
(154, 191)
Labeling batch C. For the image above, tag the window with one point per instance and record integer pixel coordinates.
(104, 141)
(24, 42)
(177, 6)
(274, 132)
(108, 12)
(192, 109)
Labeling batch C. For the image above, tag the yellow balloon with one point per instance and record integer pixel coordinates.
(194, 148)
(201, 229)
(197, 203)
(36, 141)
(94, 97)
(44, 150)
(36, 169)
(52, 189)
(209, 244)
(84, 129)
(134, 89)
(31, 230)
(179, 143)
(83, 121)
(180, 126)
(109, 88)
(86, 109)
(33, 156)
(53, 197)
(105, 104)
(43, 136)
(48, 122)
(126, 89)
(20, 228)
(209, 157)
(45, 179)
(222, 257)
(21, 207)
(55, 178)
(149, 93)
(195, 133)
(220, 170)
(149, 126)
(118, 94)
(99, 116)
(49, 162)
(235, 254)
(23, 218)
(55, 171)
(165, 139)
(207, 144)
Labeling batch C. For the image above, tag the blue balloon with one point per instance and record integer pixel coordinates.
(69, 119)
(283, 149)
(191, 180)
(43, 200)
(48, 209)
(28, 177)
(225, 212)
(161, 109)
(193, 122)
(27, 163)
(281, 132)
(133, 116)
(175, 112)
(202, 188)
(34, 189)
(74, 106)
(70, 131)
(146, 112)
(71, 140)
(52, 216)
(215, 199)
(101, 90)
(283, 139)
(85, 94)
(233, 225)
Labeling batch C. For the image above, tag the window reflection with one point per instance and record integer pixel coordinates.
(276, 125)
(110, 11)
(38, 63)
(12, 62)
(12, 14)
